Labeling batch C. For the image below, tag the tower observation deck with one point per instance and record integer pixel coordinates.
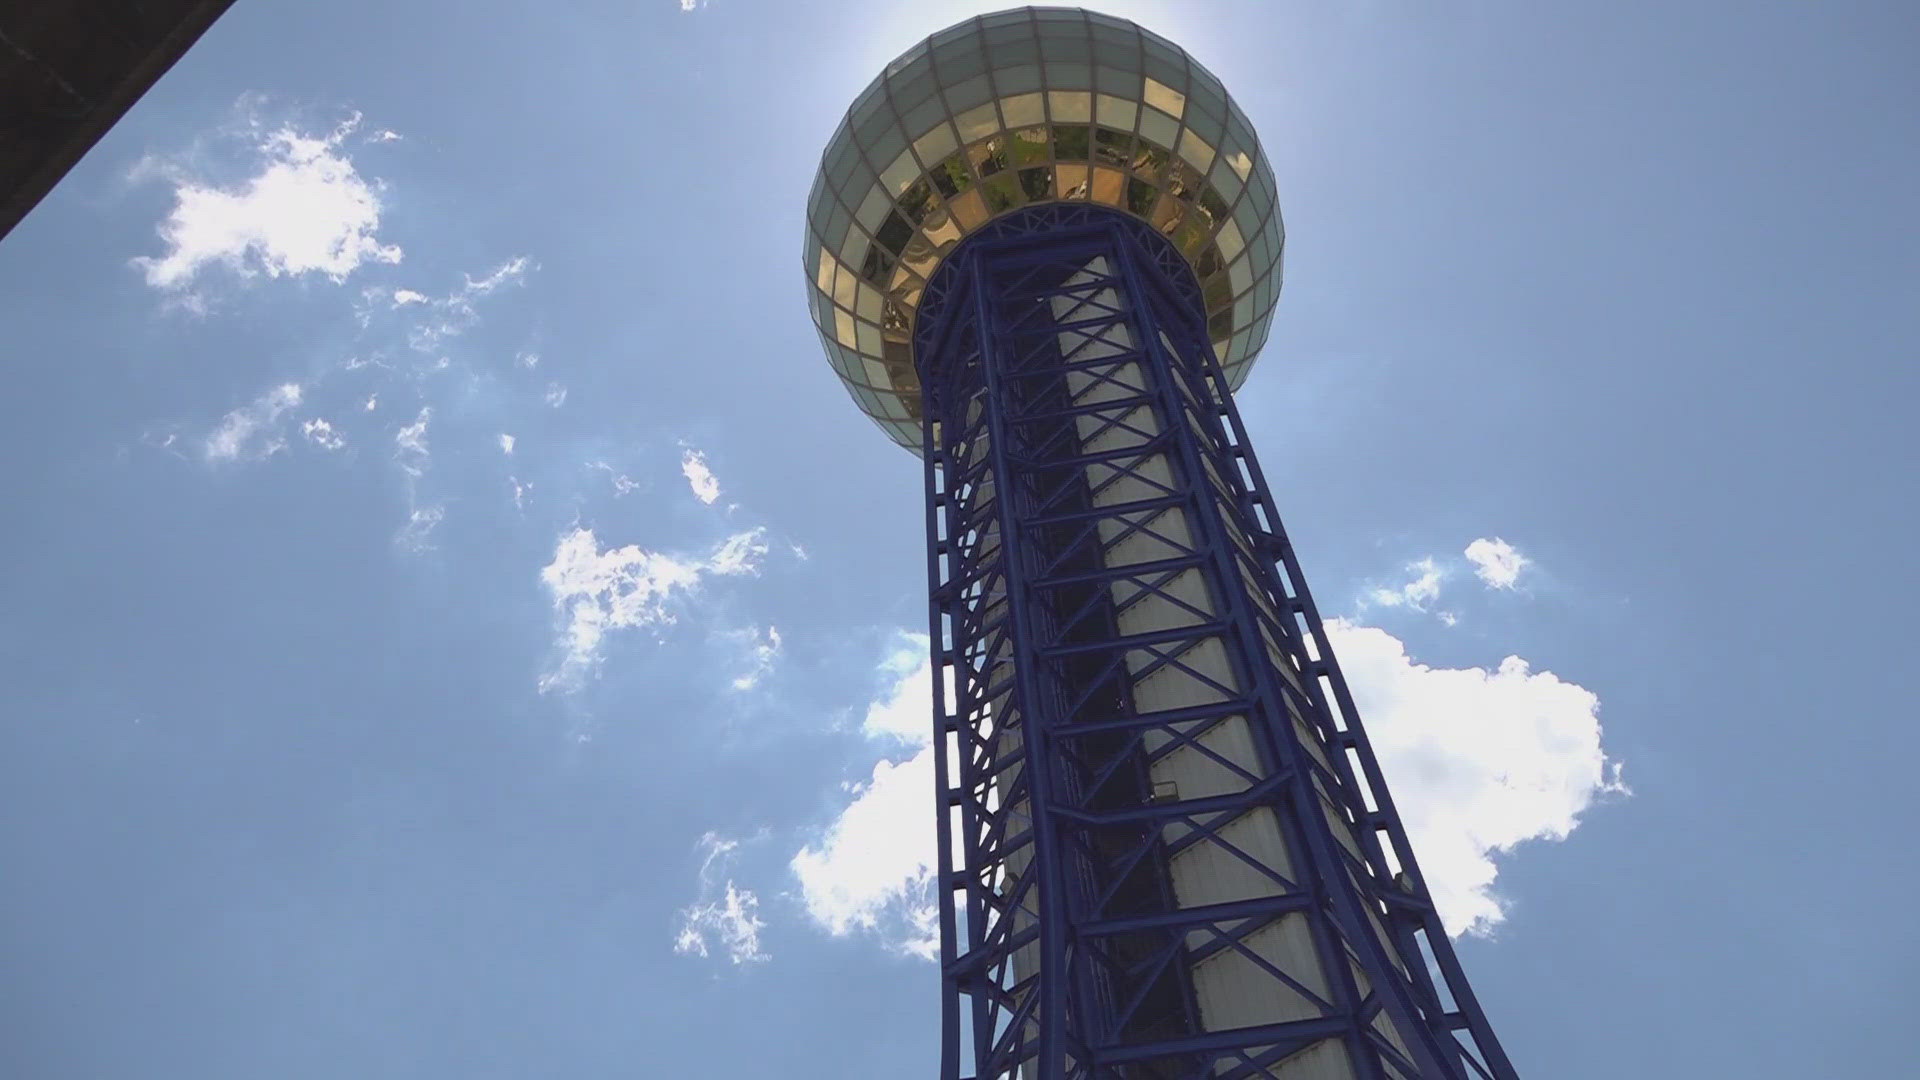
(1042, 252)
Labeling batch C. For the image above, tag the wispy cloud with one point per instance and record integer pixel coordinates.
(601, 590)
(1497, 562)
(417, 534)
(304, 209)
(321, 433)
(872, 869)
(622, 483)
(410, 443)
(506, 443)
(252, 430)
(693, 465)
(436, 320)
(763, 648)
(730, 921)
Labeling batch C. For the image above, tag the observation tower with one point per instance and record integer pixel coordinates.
(1042, 251)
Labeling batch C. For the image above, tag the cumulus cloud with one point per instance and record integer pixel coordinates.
(1497, 562)
(693, 465)
(872, 870)
(1479, 761)
(322, 434)
(304, 209)
(729, 922)
(600, 590)
(763, 648)
(556, 395)
(252, 430)
(506, 443)
(1421, 589)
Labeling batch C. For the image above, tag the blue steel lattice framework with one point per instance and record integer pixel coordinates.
(1165, 847)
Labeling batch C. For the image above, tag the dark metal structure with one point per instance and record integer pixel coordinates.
(69, 69)
(1166, 848)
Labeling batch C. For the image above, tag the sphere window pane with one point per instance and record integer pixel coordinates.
(1017, 80)
(1070, 107)
(899, 174)
(1023, 109)
(1159, 127)
(1117, 113)
(977, 124)
(1165, 98)
(969, 94)
(935, 145)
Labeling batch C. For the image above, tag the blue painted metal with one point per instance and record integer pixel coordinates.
(1066, 953)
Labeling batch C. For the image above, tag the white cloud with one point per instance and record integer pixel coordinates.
(411, 443)
(520, 492)
(252, 431)
(529, 360)
(384, 136)
(556, 395)
(1422, 589)
(305, 210)
(1497, 562)
(763, 648)
(730, 922)
(873, 869)
(904, 709)
(404, 297)
(321, 434)
(1477, 761)
(599, 590)
(373, 402)
(506, 443)
(693, 465)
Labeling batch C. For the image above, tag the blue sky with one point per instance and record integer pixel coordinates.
(457, 626)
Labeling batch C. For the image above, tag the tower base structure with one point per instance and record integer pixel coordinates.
(1166, 851)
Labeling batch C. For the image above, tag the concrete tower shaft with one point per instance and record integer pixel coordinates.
(1166, 848)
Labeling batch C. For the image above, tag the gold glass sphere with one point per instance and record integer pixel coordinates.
(1029, 106)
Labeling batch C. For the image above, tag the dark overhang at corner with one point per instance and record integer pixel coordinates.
(68, 70)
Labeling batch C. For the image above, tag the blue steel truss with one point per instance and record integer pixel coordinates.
(1085, 468)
